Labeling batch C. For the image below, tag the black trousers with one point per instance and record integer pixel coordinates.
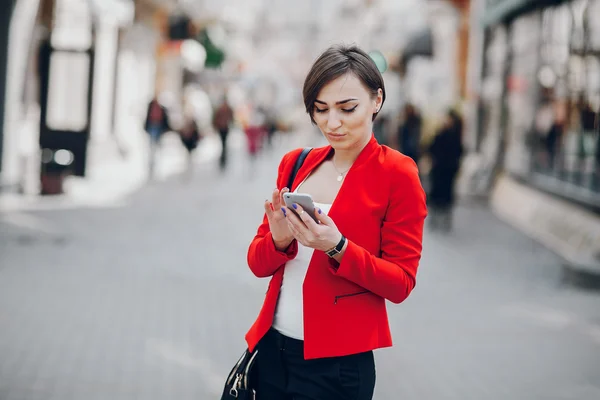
(284, 374)
(223, 133)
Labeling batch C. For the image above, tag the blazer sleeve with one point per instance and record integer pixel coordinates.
(263, 258)
(393, 275)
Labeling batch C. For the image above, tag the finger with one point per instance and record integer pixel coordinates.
(293, 228)
(286, 211)
(323, 218)
(296, 232)
(292, 217)
(276, 199)
(281, 193)
(296, 222)
(307, 219)
(268, 208)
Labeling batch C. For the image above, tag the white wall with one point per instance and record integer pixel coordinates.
(16, 136)
(135, 82)
(106, 47)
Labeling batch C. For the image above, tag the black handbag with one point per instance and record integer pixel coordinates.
(240, 383)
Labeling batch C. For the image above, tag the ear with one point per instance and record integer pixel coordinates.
(378, 101)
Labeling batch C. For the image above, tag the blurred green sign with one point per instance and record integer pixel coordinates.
(214, 55)
(379, 60)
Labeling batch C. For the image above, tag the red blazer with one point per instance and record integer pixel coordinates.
(380, 208)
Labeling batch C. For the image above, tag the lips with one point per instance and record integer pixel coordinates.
(335, 135)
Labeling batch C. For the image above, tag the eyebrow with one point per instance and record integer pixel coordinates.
(339, 102)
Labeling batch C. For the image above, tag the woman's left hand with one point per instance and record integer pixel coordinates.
(319, 236)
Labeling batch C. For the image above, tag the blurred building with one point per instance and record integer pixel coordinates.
(75, 74)
(6, 12)
(538, 121)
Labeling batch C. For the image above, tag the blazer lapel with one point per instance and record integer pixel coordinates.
(317, 156)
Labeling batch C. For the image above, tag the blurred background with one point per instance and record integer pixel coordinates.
(139, 139)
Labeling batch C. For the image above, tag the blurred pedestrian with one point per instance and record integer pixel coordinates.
(156, 124)
(551, 140)
(256, 133)
(588, 137)
(543, 124)
(409, 132)
(271, 126)
(222, 119)
(446, 152)
(325, 309)
(190, 136)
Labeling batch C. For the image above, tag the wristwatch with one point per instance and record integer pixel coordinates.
(337, 249)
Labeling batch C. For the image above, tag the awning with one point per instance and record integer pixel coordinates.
(420, 44)
(501, 10)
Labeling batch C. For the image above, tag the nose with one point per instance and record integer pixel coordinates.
(333, 121)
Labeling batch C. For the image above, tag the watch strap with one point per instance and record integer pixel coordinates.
(338, 248)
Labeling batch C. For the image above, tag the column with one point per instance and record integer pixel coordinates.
(5, 17)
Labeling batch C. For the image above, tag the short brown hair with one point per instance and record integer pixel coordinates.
(337, 61)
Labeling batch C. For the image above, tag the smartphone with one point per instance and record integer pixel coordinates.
(304, 200)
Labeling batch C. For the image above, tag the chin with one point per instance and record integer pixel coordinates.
(337, 144)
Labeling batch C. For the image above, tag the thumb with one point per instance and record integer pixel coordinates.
(323, 218)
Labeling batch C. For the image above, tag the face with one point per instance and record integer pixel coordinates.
(344, 111)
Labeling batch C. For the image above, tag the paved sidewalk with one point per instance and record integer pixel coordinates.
(150, 298)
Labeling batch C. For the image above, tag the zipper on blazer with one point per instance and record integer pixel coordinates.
(349, 295)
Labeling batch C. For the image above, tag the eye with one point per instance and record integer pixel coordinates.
(350, 109)
(318, 110)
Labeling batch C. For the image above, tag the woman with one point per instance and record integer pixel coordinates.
(324, 314)
(446, 151)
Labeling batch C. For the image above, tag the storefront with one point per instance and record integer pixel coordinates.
(539, 119)
(567, 156)
(540, 107)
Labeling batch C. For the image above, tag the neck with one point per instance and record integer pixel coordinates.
(343, 159)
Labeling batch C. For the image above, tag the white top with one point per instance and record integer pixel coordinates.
(289, 319)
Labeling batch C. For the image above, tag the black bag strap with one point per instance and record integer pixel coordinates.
(299, 162)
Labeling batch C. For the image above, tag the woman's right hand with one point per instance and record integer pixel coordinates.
(280, 231)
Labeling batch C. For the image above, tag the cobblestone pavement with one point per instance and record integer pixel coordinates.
(150, 298)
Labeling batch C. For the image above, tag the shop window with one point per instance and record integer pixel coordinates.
(566, 152)
(492, 92)
(592, 25)
(521, 91)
